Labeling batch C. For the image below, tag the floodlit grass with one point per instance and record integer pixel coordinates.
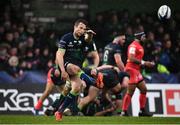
(28, 119)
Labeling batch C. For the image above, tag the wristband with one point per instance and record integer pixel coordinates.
(142, 62)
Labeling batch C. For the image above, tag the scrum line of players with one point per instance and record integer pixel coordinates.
(108, 76)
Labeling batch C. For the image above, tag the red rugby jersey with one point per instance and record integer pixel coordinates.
(137, 50)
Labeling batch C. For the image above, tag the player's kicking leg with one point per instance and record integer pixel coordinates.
(70, 98)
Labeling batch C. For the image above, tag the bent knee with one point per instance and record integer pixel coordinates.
(73, 69)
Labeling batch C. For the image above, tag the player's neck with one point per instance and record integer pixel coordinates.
(137, 40)
(75, 36)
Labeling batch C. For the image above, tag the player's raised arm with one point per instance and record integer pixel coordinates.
(88, 35)
(92, 52)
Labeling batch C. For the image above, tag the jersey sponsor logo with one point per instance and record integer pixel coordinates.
(132, 50)
(70, 44)
(79, 42)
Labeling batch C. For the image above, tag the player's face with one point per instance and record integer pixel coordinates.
(79, 29)
(122, 39)
(143, 38)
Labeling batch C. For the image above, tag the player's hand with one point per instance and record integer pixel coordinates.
(64, 75)
(149, 64)
(110, 109)
(90, 32)
(88, 36)
(94, 72)
(116, 68)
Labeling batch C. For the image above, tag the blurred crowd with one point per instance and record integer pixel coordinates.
(25, 45)
(163, 37)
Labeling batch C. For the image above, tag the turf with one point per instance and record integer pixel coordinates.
(27, 119)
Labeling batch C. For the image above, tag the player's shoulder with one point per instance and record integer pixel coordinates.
(107, 46)
(116, 46)
(111, 45)
(133, 44)
(67, 36)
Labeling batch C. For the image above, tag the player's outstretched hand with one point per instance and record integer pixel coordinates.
(89, 35)
(90, 32)
(94, 72)
(149, 64)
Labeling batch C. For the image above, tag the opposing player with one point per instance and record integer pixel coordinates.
(113, 52)
(134, 62)
(73, 47)
(113, 80)
(53, 80)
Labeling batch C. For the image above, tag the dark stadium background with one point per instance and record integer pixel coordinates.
(30, 29)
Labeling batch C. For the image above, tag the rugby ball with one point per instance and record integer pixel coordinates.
(164, 12)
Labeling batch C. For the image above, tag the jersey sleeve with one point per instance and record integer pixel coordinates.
(117, 49)
(62, 43)
(92, 47)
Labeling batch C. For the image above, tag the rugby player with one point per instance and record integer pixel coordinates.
(72, 50)
(134, 62)
(53, 80)
(113, 52)
(113, 79)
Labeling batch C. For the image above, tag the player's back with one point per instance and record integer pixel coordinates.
(110, 77)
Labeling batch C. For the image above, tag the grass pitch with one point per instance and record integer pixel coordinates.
(28, 119)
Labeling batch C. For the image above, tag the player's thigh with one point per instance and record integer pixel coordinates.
(93, 92)
(76, 84)
(60, 88)
(133, 75)
(49, 87)
(131, 88)
(142, 87)
(72, 69)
